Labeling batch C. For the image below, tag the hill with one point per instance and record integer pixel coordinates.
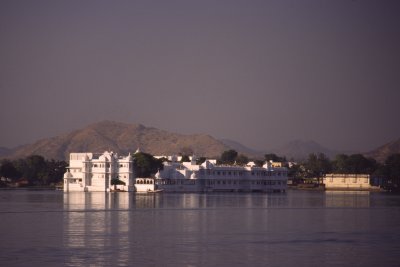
(242, 148)
(299, 150)
(4, 151)
(121, 138)
(382, 152)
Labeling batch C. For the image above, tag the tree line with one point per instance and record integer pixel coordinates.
(39, 171)
(35, 170)
(317, 165)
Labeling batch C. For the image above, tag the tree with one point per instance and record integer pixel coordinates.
(241, 159)
(33, 168)
(317, 166)
(360, 164)
(340, 164)
(355, 163)
(185, 158)
(271, 156)
(228, 157)
(115, 182)
(296, 172)
(274, 157)
(8, 170)
(392, 166)
(186, 151)
(146, 165)
(200, 160)
(54, 172)
(259, 163)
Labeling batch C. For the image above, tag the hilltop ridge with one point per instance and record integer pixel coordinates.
(121, 138)
(382, 152)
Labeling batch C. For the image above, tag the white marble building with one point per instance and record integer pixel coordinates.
(94, 172)
(211, 177)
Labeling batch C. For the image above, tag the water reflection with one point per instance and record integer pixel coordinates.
(94, 224)
(103, 229)
(347, 199)
(220, 201)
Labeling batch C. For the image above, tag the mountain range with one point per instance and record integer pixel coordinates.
(124, 138)
(121, 138)
(300, 149)
(382, 152)
(4, 151)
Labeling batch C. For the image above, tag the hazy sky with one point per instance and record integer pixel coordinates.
(259, 72)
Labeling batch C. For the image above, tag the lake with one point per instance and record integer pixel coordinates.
(296, 228)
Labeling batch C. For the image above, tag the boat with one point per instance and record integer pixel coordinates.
(155, 191)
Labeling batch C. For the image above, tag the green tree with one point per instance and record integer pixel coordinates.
(186, 151)
(146, 165)
(392, 169)
(54, 172)
(317, 166)
(228, 157)
(241, 160)
(33, 168)
(271, 156)
(360, 164)
(115, 182)
(185, 158)
(340, 164)
(355, 163)
(259, 163)
(8, 170)
(274, 157)
(296, 172)
(200, 160)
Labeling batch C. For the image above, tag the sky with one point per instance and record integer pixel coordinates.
(262, 73)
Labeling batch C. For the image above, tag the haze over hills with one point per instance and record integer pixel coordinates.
(124, 138)
(242, 148)
(121, 138)
(299, 150)
(382, 152)
(4, 151)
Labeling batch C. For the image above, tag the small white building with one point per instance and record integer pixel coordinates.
(94, 172)
(347, 181)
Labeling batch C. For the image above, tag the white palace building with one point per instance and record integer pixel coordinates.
(94, 172)
(89, 172)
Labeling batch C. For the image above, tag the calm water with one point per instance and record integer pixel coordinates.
(299, 228)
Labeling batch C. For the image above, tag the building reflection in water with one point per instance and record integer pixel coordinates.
(103, 229)
(94, 224)
(347, 199)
